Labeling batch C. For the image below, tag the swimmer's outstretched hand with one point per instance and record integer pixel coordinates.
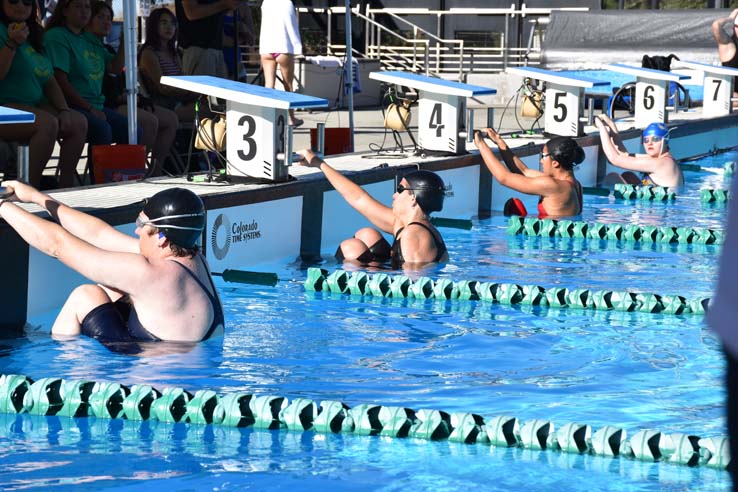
(308, 158)
(494, 136)
(23, 192)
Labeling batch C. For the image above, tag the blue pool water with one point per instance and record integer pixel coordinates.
(630, 370)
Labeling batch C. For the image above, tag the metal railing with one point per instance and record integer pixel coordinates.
(427, 52)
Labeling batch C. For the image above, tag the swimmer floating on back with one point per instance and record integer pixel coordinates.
(153, 288)
(560, 192)
(657, 166)
(416, 241)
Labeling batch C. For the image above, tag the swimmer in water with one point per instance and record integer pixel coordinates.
(151, 288)
(416, 240)
(559, 191)
(657, 166)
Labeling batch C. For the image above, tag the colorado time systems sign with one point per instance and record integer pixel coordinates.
(248, 234)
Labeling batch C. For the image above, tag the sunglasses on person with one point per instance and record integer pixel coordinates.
(27, 3)
(652, 138)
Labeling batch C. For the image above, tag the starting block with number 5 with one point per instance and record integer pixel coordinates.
(443, 124)
(259, 138)
(564, 99)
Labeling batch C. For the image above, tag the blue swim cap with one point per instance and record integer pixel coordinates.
(657, 130)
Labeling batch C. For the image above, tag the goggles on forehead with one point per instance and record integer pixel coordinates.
(399, 188)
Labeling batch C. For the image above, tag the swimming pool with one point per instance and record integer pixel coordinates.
(632, 370)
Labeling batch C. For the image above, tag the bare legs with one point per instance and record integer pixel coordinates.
(360, 245)
(72, 143)
(158, 130)
(286, 63)
(80, 302)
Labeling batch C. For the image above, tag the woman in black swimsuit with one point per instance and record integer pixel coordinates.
(416, 240)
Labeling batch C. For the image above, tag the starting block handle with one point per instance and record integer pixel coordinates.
(321, 138)
(469, 133)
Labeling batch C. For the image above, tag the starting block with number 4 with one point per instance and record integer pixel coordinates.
(259, 138)
(564, 99)
(443, 123)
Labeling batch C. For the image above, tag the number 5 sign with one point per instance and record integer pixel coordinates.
(563, 110)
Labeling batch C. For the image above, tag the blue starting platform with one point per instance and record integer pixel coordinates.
(12, 116)
(443, 122)
(257, 123)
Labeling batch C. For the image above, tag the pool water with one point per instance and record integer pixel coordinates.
(631, 370)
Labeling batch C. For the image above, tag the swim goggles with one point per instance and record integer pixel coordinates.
(447, 190)
(153, 222)
(652, 138)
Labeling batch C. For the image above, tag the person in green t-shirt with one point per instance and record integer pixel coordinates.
(79, 67)
(158, 124)
(27, 83)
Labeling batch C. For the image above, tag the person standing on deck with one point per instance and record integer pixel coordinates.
(725, 31)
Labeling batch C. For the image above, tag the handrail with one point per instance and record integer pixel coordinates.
(450, 55)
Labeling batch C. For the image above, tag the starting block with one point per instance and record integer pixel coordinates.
(651, 92)
(443, 123)
(564, 99)
(717, 85)
(12, 116)
(259, 138)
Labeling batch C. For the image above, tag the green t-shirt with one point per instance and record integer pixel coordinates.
(24, 83)
(83, 58)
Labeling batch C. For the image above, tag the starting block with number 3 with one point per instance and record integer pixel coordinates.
(651, 92)
(718, 87)
(259, 138)
(443, 125)
(564, 99)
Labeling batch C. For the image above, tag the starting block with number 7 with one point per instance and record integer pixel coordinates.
(259, 138)
(564, 99)
(441, 109)
(718, 87)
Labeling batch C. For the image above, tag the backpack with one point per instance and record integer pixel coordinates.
(658, 62)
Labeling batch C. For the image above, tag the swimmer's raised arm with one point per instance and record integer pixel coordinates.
(121, 271)
(91, 229)
(377, 213)
(512, 161)
(533, 185)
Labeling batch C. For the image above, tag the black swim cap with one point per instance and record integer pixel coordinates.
(179, 214)
(428, 189)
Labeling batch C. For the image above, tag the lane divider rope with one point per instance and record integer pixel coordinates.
(401, 286)
(529, 226)
(68, 398)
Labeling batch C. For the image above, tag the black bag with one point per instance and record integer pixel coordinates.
(658, 62)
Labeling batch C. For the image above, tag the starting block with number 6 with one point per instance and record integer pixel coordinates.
(718, 87)
(564, 99)
(259, 138)
(443, 124)
(651, 92)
